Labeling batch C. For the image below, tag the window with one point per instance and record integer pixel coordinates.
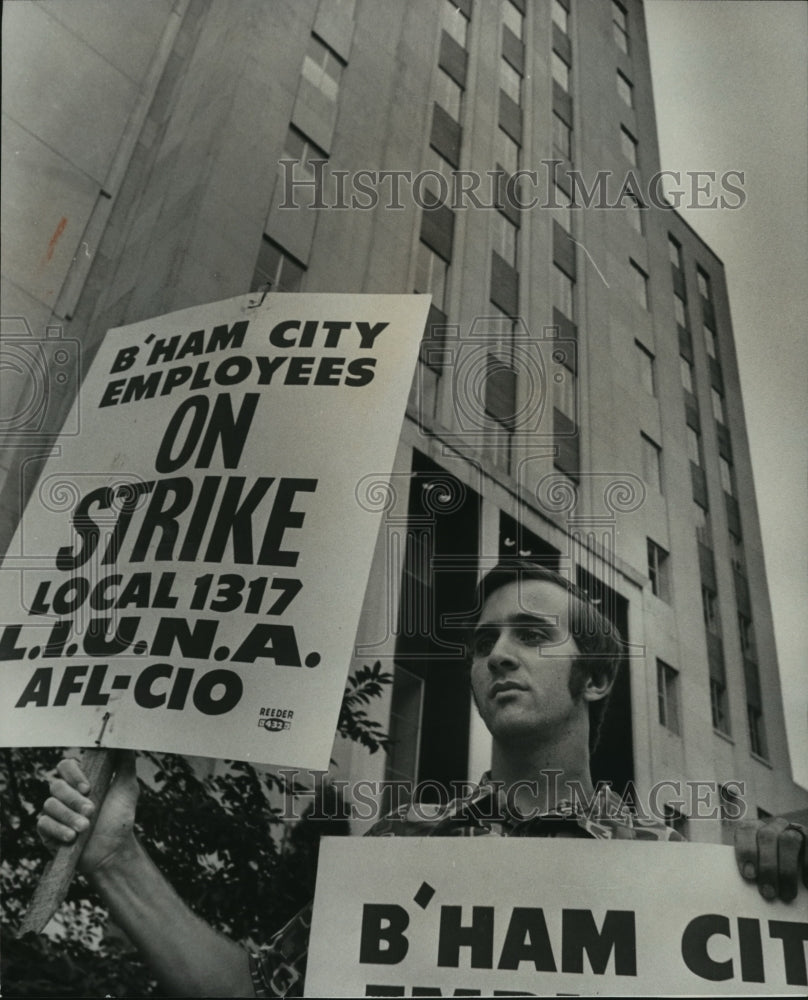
(625, 89)
(647, 373)
(674, 252)
(757, 734)
(620, 26)
(658, 570)
(298, 146)
(562, 138)
(718, 705)
(561, 71)
(500, 405)
(651, 463)
(501, 333)
(694, 446)
(449, 95)
(560, 209)
(718, 406)
(709, 607)
(703, 282)
(727, 477)
(436, 164)
(629, 146)
(504, 238)
(639, 284)
(736, 554)
(322, 68)
(686, 373)
(455, 22)
(668, 696)
(563, 292)
(506, 152)
(565, 395)
(303, 151)
(430, 275)
(703, 532)
(512, 18)
(510, 81)
(634, 214)
(710, 342)
(679, 311)
(276, 269)
(560, 16)
(746, 630)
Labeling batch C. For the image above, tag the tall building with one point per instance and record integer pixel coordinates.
(577, 398)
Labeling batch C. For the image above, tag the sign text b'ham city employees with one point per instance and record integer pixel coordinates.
(213, 522)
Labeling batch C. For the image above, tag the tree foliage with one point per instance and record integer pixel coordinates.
(221, 838)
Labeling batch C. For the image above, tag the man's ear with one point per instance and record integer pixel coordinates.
(599, 682)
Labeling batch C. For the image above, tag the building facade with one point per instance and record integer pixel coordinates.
(577, 398)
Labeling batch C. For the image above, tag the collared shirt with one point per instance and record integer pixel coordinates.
(278, 970)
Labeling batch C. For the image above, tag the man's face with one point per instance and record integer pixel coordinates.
(522, 655)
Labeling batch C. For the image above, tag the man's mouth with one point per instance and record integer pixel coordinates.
(502, 687)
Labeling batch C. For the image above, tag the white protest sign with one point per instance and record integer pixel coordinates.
(489, 916)
(189, 571)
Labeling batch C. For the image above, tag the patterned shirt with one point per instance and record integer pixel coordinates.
(279, 969)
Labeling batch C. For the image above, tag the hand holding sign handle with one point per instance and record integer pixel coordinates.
(774, 854)
(66, 827)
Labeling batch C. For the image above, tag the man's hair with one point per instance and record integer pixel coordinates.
(597, 638)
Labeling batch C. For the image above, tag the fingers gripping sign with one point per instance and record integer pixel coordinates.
(77, 802)
(773, 853)
(80, 821)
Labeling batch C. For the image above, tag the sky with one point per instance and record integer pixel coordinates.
(730, 82)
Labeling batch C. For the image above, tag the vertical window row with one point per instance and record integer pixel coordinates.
(434, 250)
(719, 699)
(620, 26)
(625, 91)
(280, 265)
(726, 471)
(566, 417)
(563, 273)
(500, 379)
(450, 82)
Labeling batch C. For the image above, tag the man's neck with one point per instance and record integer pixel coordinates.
(540, 776)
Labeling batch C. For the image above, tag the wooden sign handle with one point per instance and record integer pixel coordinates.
(98, 766)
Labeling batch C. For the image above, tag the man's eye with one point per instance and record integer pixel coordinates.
(533, 636)
(483, 644)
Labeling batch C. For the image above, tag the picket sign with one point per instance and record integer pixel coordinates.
(189, 572)
(506, 916)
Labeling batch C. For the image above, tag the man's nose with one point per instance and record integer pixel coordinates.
(503, 654)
